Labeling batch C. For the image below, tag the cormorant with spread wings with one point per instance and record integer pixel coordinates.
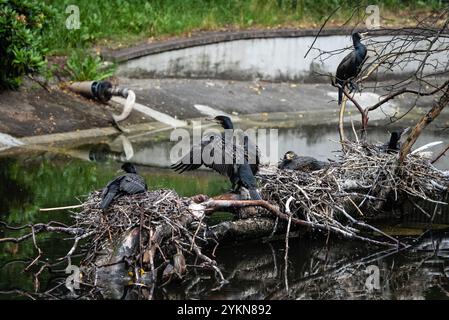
(224, 154)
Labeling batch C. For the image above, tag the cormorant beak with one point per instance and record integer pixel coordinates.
(213, 120)
(363, 34)
(289, 156)
(405, 131)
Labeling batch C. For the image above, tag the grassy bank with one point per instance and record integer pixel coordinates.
(31, 30)
(120, 23)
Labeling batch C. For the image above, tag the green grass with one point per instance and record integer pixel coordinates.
(121, 22)
(82, 66)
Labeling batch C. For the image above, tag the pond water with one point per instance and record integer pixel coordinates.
(317, 269)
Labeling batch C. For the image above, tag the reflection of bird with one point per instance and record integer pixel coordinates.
(292, 161)
(129, 183)
(224, 154)
(350, 66)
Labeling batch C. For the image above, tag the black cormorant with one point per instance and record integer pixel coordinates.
(128, 183)
(239, 163)
(350, 66)
(394, 144)
(294, 162)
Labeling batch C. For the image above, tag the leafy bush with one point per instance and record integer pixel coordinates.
(22, 23)
(82, 66)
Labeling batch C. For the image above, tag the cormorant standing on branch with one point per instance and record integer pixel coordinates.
(292, 161)
(236, 161)
(129, 183)
(350, 66)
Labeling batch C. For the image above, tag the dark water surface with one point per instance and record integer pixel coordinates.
(316, 269)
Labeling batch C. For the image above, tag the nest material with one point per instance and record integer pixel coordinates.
(168, 233)
(335, 199)
(365, 181)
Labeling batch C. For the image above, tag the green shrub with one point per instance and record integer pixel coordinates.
(82, 66)
(22, 23)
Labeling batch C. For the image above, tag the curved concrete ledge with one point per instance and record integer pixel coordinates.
(272, 55)
(209, 37)
(205, 38)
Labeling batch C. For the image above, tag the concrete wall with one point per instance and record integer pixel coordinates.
(272, 59)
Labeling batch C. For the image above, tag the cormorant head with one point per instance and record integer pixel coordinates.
(289, 155)
(128, 168)
(396, 135)
(356, 37)
(224, 121)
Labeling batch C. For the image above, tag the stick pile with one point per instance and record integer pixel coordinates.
(166, 234)
(365, 182)
(162, 235)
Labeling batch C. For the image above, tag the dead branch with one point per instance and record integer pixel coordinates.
(441, 154)
(431, 115)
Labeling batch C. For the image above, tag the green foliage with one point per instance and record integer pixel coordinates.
(22, 24)
(125, 22)
(83, 66)
(30, 29)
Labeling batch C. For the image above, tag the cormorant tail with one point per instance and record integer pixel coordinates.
(107, 199)
(340, 92)
(254, 194)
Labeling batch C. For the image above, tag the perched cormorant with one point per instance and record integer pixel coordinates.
(394, 144)
(128, 183)
(350, 66)
(239, 163)
(294, 162)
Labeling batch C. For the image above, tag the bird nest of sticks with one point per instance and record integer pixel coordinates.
(164, 235)
(364, 184)
(152, 232)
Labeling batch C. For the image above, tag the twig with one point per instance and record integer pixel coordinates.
(441, 154)
(287, 234)
(62, 208)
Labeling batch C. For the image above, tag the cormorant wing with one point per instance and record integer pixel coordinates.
(203, 153)
(231, 154)
(252, 154)
(314, 164)
(113, 183)
(132, 183)
(110, 192)
(282, 164)
(346, 68)
(190, 162)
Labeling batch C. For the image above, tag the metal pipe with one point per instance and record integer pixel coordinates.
(100, 90)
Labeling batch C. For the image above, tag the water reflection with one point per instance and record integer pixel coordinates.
(332, 271)
(316, 270)
(321, 143)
